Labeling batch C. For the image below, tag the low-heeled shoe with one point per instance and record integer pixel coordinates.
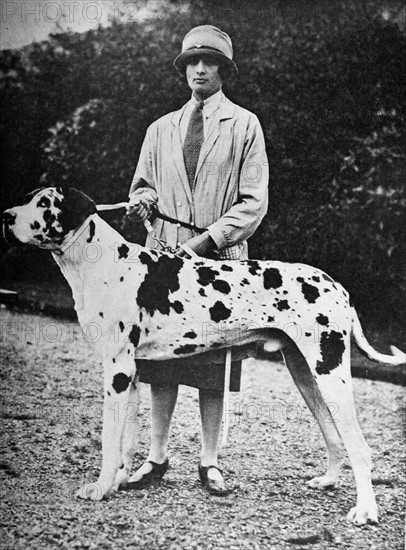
(213, 487)
(158, 471)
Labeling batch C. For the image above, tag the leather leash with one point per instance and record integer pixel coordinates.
(155, 212)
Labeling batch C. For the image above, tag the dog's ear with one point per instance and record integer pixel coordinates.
(76, 208)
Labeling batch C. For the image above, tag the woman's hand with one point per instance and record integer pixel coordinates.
(139, 207)
(202, 245)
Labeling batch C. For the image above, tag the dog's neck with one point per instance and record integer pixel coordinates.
(74, 238)
(71, 256)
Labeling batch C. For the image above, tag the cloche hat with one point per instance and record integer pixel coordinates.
(208, 40)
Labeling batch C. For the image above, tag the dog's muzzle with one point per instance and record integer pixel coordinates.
(8, 220)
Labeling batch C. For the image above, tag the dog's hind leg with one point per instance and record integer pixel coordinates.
(307, 386)
(333, 377)
(119, 403)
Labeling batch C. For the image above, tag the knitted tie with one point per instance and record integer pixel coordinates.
(193, 142)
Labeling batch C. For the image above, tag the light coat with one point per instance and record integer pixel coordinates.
(230, 195)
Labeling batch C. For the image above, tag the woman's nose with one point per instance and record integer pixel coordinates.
(200, 67)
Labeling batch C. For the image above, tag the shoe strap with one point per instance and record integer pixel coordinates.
(155, 464)
(207, 468)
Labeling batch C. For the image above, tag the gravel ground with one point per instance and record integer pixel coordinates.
(51, 424)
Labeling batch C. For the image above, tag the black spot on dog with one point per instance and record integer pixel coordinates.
(187, 348)
(270, 319)
(327, 278)
(207, 275)
(190, 334)
(123, 251)
(35, 225)
(202, 292)
(101, 314)
(121, 279)
(51, 231)
(282, 305)
(332, 348)
(308, 333)
(49, 217)
(244, 282)
(161, 279)
(272, 278)
(219, 312)
(121, 326)
(39, 238)
(316, 278)
(177, 306)
(310, 292)
(92, 228)
(300, 279)
(121, 382)
(221, 286)
(134, 335)
(254, 267)
(58, 203)
(322, 319)
(225, 267)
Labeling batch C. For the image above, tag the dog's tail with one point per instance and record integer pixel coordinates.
(397, 357)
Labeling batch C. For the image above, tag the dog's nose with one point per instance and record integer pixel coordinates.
(8, 217)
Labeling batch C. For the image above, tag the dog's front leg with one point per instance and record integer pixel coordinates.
(130, 436)
(120, 400)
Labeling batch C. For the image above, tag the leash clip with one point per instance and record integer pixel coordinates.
(165, 246)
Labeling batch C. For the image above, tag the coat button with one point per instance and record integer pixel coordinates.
(178, 203)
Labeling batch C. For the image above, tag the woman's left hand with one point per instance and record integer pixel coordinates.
(202, 245)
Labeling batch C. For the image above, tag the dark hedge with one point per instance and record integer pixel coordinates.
(326, 81)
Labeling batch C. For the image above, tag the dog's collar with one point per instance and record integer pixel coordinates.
(74, 236)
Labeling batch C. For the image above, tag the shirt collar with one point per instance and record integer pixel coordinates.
(211, 104)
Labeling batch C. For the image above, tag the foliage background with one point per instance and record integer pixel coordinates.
(327, 81)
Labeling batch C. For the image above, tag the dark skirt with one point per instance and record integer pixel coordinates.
(204, 376)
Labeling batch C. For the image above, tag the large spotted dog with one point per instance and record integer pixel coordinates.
(158, 306)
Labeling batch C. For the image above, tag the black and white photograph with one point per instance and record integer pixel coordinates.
(202, 285)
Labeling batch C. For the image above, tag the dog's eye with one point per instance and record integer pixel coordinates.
(44, 202)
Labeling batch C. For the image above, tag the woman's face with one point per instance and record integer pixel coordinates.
(202, 74)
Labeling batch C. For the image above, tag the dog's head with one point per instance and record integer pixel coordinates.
(46, 217)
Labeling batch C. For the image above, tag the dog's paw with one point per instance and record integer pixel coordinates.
(360, 515)
(92, 491)
(121, 479)
(322, 483)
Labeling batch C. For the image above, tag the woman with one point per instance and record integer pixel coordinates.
(204, 164)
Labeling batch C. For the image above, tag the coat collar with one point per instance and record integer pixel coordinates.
(226, 111)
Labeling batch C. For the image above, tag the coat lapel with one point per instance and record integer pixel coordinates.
(177, 152)
(226, 112)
